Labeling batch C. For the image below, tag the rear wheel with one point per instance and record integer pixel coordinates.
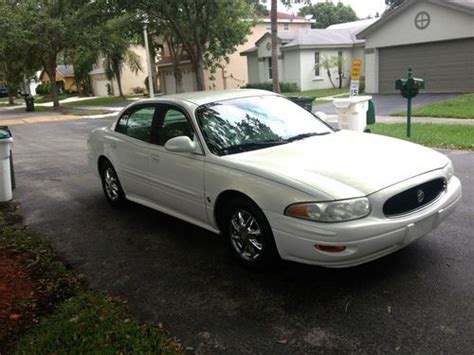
(249, 235)
(111, 185)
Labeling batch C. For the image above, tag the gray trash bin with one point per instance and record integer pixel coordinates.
(304, 101)
(30, 103)
(6, 176)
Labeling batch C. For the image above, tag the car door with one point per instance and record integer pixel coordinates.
(178, 178)
(128, 148)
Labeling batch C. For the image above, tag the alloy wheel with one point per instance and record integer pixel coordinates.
(246, 235)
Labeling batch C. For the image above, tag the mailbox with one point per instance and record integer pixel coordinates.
(409, 88)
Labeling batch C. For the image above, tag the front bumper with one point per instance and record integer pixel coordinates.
(365, 239)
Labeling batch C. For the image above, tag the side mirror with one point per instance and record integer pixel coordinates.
(181, 144)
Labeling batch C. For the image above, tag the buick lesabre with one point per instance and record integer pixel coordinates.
(273, 179)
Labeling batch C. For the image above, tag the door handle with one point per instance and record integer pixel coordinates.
(155, 157)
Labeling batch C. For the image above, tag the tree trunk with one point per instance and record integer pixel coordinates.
(275, 73)
(330, 78)
(198, 65)
(340, 78)
(119, 83)
(178, 78)
(51, 71)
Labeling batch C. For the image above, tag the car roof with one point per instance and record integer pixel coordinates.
(206, 97)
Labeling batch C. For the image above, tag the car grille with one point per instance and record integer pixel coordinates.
(414, 198)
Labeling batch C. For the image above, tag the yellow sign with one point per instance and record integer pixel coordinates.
(356, 68)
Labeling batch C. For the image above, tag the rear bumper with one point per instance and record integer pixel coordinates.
(366, 239)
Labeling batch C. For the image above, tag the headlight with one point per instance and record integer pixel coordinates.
(335, 211)
(449, 170)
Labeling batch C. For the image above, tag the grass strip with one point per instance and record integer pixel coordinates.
(458, 107)
(430, 134)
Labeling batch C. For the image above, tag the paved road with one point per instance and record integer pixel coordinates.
(417, 300)
(388, 104)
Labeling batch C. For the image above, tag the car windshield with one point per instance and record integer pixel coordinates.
(250, 123)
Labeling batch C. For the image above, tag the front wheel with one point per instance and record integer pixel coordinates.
(249, 235)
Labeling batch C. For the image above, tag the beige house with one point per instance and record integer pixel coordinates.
(64, 77)
(233, 74)
(302, 52)
(132, 82)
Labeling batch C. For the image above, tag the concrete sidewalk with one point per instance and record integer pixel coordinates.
(435, 120)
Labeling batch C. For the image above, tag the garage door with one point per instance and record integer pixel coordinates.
(446, 66)
(100, 87)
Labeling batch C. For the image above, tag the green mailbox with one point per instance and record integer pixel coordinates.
(409, 88)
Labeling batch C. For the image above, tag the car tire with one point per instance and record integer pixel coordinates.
(111, 185)
(249, 236)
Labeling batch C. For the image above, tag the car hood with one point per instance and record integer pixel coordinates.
(342, 165)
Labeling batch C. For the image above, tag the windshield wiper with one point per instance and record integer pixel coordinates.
(250, 146)
(304, 135)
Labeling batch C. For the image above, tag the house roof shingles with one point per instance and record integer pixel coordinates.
(66, 70)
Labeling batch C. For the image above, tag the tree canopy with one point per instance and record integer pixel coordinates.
(327, 14)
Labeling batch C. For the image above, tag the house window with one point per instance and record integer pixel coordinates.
(270, 73)
(316, 63)
(286, 27)
(268, 26)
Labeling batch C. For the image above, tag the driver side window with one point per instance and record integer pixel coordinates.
(137, 123)
(175, 124)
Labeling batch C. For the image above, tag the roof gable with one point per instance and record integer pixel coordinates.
(459, 5)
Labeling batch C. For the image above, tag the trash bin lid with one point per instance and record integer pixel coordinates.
(5, 133)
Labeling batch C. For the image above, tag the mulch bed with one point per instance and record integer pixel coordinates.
(18, 293)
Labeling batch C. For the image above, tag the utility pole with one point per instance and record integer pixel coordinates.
(151, 88)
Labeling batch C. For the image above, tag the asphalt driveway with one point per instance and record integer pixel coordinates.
(385, 105)
(417, 300)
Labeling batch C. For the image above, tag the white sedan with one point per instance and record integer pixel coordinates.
(273, 179)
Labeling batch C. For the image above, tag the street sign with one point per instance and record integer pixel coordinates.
(356, 69)
(355, 77)
(354, 88)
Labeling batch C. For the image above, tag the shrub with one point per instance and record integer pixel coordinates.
(284, 87)
(43, 89)
(138, 90)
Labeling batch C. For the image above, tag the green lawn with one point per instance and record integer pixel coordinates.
(94, 323)
(44, 99)
(458, 107)
(318, 93)
(434, 135)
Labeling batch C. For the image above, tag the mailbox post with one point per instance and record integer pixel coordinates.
(409, 88)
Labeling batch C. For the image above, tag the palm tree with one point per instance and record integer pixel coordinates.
(114, 61)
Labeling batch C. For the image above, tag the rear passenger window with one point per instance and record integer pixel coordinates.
(175, 124)
(138, 123)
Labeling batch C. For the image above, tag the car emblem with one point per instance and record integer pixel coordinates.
(420, 196)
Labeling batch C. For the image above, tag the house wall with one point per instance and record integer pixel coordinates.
(307, 74)
(445, 24)
(236, 70)
(292, 67)
(252, 67)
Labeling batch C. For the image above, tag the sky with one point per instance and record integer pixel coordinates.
(363, 8)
